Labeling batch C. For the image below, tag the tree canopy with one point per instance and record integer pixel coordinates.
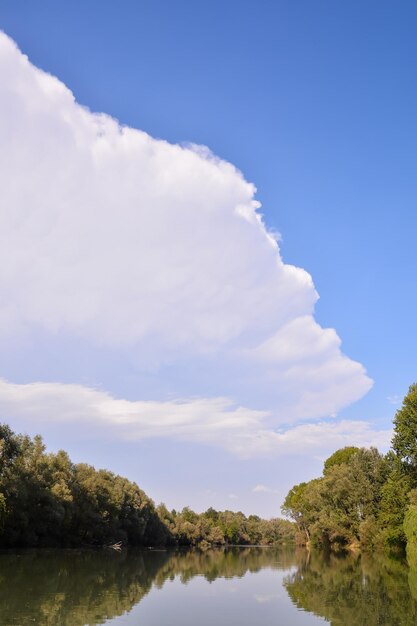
(404, 442)
(47, 500)
(363, 497)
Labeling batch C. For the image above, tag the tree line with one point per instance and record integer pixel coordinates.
(364, 498)
(47, 500)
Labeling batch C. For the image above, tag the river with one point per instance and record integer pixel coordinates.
(233, 587)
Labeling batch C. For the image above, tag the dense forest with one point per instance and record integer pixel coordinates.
(46, 500)
(364, 498)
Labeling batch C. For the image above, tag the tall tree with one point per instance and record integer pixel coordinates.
(404, 442)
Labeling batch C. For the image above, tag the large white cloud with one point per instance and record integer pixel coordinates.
(130, 243)
(119, 237)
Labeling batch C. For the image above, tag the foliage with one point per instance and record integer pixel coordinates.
(343, 455)
(363, 496)
(332, 510)
(410, 529)
(394, 502)
(219, 528)
(46, 500)
(404, 442)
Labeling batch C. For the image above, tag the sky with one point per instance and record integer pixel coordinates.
(207, 247)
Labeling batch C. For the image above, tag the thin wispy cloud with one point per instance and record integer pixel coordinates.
(264, 489)
(395, 399)
(211, 421)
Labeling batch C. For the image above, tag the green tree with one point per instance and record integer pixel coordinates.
(302, 505)
(410, 530)
(46, 500)
(9, 447)
(344, 455)
(404, 442)
(342, 505)
(394, 503)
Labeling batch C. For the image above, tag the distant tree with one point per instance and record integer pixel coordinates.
(211, 514)
(302, 505)
(164, 515)
(188, 515)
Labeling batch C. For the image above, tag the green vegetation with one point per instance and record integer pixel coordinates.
(354, 589)
(224, 528)
(364, 498)
(46, 500)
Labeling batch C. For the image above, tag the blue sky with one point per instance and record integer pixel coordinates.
(315, 104)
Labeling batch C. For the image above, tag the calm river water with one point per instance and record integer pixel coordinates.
(235, 587)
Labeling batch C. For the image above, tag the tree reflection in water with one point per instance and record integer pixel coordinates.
(355, 590)
(75, 588)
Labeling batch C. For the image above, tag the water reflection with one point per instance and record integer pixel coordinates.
(72, 588)
(355, 590)
(69, 588)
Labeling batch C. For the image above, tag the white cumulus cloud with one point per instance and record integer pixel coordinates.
(129, 243)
